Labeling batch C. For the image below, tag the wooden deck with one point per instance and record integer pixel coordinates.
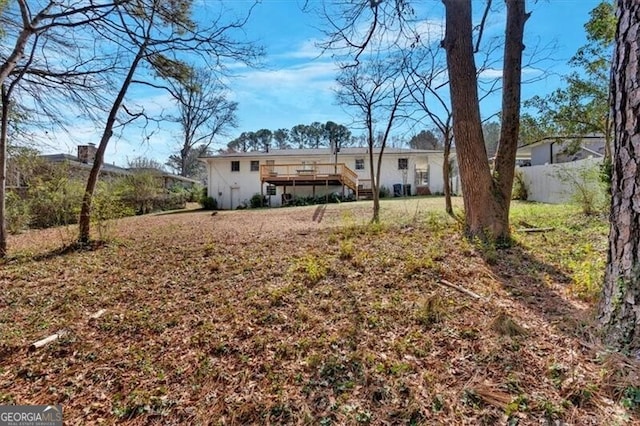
(318, 174)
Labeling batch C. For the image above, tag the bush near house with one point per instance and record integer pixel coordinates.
(17, 213)
(53, 197)
(320, 199)
(209, 203)
(257, 201)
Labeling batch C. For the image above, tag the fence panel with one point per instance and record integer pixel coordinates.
(544, 183)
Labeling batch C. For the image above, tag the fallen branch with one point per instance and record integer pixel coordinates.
(47, 340)
(460, 289)
(530, 230)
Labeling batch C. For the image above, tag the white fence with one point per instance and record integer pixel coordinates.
(545, 184)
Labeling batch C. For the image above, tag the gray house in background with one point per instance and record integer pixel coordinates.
(80, 166)
(555, 150)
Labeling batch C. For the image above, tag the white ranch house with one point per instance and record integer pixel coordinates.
(233, 178)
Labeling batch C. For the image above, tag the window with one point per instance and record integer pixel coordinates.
(359, 163)
(235, 166)
(255, 165)
(403, 163)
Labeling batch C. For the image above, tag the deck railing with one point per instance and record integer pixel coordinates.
(313, 171)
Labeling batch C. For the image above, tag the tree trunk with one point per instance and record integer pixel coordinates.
(184, 154)
(486, 197)
(480, 202)
(375, 190)
(446, 173)
(85, 212)
(510, 117)
(619, 311)
(3, 170)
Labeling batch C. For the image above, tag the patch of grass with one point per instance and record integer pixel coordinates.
(504, 325)
(631, 398)
(519, 405)
(431, 311)
(557, 373)
(346, 249)
(588, 273)
(550, 409)
(313, 268)
(414, 265)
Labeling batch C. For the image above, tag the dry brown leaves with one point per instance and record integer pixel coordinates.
(274, 317)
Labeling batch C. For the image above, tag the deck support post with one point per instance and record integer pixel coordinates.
(326, 196)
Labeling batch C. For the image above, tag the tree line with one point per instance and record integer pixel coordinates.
(330, 134)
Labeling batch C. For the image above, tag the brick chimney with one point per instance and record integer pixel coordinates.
(87, 153)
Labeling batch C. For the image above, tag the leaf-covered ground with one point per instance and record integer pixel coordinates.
(310, 316)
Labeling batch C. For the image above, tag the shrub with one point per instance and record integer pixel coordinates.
(587, 187)
(209, 203)
(195, 193)
(257, 201)
(191, 195)
(520, 190)
(384, 192)
(17, 213)
(170, 201)
(106, 206)
(55, 200)
(139, 190)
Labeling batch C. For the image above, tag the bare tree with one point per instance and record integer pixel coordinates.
(145, 163)
(619, 316)
(378, 92)
(429, 84)
(204, 112)
(157, 33)
(486, 194)
(50, 29)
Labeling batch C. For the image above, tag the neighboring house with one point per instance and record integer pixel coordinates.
(79, 166)
(83, 162)
(555, 150)
(233, 178)
(169, 180)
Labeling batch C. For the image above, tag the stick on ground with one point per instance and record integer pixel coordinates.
(47, 340)
(461, 289)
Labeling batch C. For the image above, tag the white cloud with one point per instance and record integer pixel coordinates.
(492, 73)
(316, 74)
(306, 50)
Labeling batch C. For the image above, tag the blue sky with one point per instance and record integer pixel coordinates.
(295, 85)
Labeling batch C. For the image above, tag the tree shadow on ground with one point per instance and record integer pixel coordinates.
(318, 213)
(65, 250)
(542, 289)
